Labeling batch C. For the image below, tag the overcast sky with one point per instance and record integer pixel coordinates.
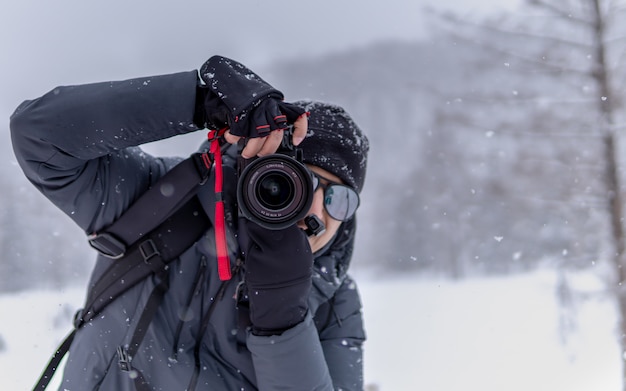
(49, 43)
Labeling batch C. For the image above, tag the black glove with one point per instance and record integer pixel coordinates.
(279, 265)
(236, 97)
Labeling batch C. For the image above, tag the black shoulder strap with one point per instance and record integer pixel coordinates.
(54, 362)
(164, 222)
(149, 255)
(167, 195)
(150, 234)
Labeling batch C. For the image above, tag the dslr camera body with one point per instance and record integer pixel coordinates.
(276, 191)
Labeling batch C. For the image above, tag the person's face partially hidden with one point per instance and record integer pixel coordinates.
(317, 208)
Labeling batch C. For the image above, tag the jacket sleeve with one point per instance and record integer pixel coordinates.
(78, 144)
(342, 335)
(293, 360)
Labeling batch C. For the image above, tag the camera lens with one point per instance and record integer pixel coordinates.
(275, 190)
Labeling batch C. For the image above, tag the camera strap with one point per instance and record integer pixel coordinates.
(223, 262)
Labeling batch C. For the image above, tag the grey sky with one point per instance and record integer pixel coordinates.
(48, 43)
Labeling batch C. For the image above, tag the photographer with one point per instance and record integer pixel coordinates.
(244, 306)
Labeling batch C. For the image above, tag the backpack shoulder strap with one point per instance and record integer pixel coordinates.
(166, 220)
(156, 229)
(167, 195)
(149, 255)
(54, 362)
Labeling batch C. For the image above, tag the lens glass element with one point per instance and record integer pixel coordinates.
(275, 190)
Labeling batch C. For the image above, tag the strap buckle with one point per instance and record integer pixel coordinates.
(107, 245)
(148, 250)
(123, 359)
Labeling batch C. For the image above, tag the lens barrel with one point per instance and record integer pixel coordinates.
(275, 191)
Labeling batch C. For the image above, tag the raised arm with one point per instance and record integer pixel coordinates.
(76, 144)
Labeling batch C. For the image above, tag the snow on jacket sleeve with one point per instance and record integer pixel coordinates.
(342, 336)
(77, 144)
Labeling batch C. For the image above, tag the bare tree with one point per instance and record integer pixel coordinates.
(578, 44)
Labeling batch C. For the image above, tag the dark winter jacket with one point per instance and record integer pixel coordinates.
(79, 146)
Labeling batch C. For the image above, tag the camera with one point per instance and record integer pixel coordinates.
(275, 191)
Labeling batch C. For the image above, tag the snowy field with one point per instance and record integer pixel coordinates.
(488, 334)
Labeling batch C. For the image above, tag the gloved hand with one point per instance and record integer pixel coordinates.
(236, 97)
(279, 266)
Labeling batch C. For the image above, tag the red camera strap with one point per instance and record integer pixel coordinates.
(221, 244)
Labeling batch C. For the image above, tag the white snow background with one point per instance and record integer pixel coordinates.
(488, 334)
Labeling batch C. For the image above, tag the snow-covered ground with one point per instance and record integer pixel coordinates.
(424, 334)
